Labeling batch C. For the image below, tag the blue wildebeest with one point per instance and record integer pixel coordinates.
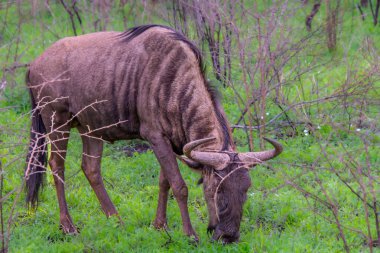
(146, 83)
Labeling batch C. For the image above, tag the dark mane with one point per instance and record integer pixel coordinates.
(134, 32)
(215, 97)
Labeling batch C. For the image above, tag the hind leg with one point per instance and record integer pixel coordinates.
(91, 158)
(59, 140)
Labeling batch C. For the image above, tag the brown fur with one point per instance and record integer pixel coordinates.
(152, 85)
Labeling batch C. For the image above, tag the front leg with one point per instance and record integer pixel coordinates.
(164, 186)
(169, 167)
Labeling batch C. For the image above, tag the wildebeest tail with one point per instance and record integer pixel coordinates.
(36, 159)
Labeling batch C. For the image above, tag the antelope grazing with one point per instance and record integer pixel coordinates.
(147, 83)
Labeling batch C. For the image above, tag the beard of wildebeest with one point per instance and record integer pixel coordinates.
(225, 193)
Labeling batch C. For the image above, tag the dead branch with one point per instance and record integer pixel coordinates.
(314, 11)
(71, 15)
(16, 66)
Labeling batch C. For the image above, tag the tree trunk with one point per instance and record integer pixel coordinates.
(332, 15)
(375, 13)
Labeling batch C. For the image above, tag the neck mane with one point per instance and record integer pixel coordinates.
(200, 113)
(225, 130)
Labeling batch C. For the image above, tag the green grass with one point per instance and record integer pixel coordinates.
(280, 221)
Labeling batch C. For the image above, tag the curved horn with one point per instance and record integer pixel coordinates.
(259, 157)
(192, 145)
(216, 160)
(192, 164)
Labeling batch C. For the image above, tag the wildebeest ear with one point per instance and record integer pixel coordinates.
(192, 164)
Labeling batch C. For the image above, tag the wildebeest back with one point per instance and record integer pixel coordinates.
(153, 79)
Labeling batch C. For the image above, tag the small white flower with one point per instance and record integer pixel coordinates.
(267, 113)
(358, 129)
(318, 127)
(261, 117)
(306, 134)
(305, 131)
(2, 85)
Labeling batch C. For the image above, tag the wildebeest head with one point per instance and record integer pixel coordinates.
(226, 180)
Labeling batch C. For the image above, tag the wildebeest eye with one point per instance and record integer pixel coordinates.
(223, 209)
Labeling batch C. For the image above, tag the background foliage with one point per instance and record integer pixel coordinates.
(304, 72)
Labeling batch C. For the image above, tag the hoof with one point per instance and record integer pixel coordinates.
(119, 220)
(67, 226)
(160, 225)
(69, 229)
(194, 239)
